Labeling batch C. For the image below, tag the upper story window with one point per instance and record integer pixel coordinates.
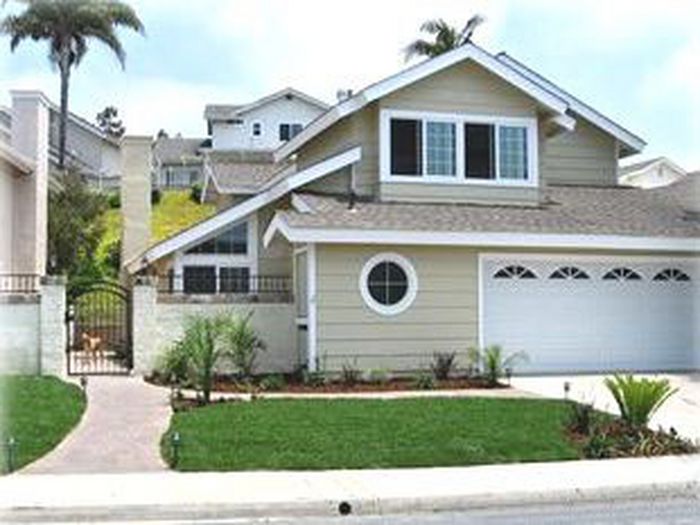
(453, 148)
(232, 241)
(257, 129)
(289, 131)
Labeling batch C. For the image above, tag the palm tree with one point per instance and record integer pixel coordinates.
(446, 37)
(68, 26)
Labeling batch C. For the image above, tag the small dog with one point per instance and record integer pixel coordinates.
(91, 345)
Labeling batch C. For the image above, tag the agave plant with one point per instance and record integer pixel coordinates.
(638, 399)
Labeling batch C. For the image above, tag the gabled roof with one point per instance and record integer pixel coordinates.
(633, 143)
(558, 101)
(240, 171)
(618, 217)
(232, 111)
(643, 165)
(177, 150)
(272, 191)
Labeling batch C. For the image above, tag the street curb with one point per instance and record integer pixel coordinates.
(362, 506)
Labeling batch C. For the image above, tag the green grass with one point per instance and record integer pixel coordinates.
(175, 212)
(322, 434)
(38, 412)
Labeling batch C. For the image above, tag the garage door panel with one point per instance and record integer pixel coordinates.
(590, 324)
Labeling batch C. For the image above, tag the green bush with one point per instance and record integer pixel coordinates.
(242, 343)
(273, 383)
(313, 379)
(619, 439)
(638, 399)
(378, 376)
(114, 200)
(424, 381)
(496, 364)
(581, 418)
(173, 364)
(473, 361)
(443, 364)
(350, 375)
(196, 193)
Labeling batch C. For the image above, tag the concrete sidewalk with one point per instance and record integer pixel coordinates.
(119, 432)
(226, 495)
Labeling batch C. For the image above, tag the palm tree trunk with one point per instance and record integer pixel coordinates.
(64, 67)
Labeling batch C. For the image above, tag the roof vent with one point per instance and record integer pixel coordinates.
(343, 94)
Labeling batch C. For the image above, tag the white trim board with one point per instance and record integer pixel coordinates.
(222, 220)
(418, 72)
(481, 239)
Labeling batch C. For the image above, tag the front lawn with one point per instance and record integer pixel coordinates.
(332, 434)
(37, 412)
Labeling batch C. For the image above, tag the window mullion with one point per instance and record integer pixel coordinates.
(497, 151)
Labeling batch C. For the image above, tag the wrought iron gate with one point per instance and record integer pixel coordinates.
(98, 322)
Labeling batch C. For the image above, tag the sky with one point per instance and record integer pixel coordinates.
(636, 61)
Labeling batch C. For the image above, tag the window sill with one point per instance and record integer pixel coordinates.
(454, 181)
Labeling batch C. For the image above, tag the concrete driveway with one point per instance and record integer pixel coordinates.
(681, 411)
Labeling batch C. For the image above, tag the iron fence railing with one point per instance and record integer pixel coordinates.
(242, 286)
(17, 283)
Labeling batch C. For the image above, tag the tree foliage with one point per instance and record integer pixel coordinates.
(639, 399)
(108, 120)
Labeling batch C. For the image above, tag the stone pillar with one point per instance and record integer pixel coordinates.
(52, 325)
(144, 302)
(30, 137)
(135, 196)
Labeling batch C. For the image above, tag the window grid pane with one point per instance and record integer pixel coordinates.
(440, 148)
(512, 146)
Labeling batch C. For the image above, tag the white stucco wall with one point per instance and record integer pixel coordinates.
(6, 185)
(270, 116)
(19, 334)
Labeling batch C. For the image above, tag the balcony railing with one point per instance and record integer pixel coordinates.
(19, 283)
(243, 288)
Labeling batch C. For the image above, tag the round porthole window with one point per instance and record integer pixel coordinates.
(388, 283)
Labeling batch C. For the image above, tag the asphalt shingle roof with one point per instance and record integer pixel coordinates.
(565, 210)
(177, 150)
(242, 170)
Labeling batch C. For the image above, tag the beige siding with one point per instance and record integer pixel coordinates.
(276, 259)
(584, 156)
(400, 191)
(463, 88)
(443, 316)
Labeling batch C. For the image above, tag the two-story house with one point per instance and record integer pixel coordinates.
(465, 201)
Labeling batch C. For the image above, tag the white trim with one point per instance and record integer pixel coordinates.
(20, 162)
(459, 119)
(411, 290)
(480, 300)
(311, 313)
(222, 220)
(564, 121)
(586, 257)
(413, 74)
(632, 141)
(300, 205)
(515, 240)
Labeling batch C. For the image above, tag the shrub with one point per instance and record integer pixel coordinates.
(196, 193)
(242, 343)
(350, 375)
(638, 399)
(424, 381)
(114, 200)
(618, 439)
(495, 364)
(443, 364)
(273, 383)
(313, 379)
(378, 376)
(581, 418)
(173, 364)
(473, 361)
(156, 195)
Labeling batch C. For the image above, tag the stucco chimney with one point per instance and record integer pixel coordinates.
(135, 196)
(30, 137)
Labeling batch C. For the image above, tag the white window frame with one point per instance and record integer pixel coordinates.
(220, 260)
(411, 290)
(459, 119)
(252, 129)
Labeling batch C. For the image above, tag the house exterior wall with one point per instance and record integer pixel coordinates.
(443, 316)
(19, 334)
(270, 116)
(586, 155)
(7, 181)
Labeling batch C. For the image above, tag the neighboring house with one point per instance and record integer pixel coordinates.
(23, 193)
(88, 149)
(178, 161)
(465, 201)
(261, 125)
(651, 173)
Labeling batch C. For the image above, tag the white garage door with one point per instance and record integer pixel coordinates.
(588, 314)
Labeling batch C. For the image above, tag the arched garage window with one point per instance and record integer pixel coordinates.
(622, 274)
(388, 283)
(569, 272)
(672, 274)
(514, 272)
